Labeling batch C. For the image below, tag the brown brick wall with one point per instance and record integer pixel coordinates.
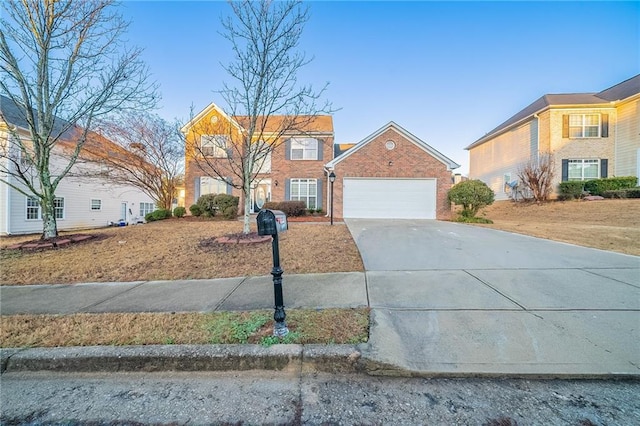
(406, 160)
(281, 169)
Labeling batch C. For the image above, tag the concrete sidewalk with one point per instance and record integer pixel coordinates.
(572, 322)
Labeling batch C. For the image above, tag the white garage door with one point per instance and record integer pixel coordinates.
(389, 198)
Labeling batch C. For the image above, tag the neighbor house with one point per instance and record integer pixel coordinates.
(80, 202)
(293, 170)
(391, 174)
(589, 136)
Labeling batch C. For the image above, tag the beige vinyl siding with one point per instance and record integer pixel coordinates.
(581, 148)
(628, 139)
(502, 155)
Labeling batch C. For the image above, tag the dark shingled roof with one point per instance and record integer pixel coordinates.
(620, 91)
(14, 114)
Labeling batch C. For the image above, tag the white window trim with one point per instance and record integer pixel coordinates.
(507, 180)
(298, 144)
(56, 209)
(205, 185)
(99, 205)
(583, 162)
(584, 126)
(32, 207)
(145, 211)
(310, 182)
(214, 145)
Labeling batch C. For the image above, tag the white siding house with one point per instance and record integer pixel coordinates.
(81, 203)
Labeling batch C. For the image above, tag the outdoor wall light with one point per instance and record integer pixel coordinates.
(390, 163)
(276, 182)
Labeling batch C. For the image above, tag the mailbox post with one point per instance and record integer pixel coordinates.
(267, 225)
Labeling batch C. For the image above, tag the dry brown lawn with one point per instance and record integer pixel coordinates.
(179, 249)
(306, 326)
(612, 225)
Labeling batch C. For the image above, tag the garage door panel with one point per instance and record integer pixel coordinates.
(389, 198)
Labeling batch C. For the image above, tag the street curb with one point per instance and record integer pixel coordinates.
(94, 359)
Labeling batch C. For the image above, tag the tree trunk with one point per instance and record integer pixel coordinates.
(49, 225)
(246, 189)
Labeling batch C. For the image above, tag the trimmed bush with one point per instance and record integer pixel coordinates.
(207, 204)
(290, 208)
(622, 193)
(230, 213)
(195, 210)
(472, 195)
(159, 214)
(179, 211)
(571, 190)
(599, 186)
(633, 192)
(227, 205)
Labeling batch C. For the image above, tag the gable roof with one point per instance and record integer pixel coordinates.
(403, 132)
(13, 114)
(620, 91)
(312, 124)
(95, 145)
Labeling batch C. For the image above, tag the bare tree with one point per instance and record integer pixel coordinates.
(150, 156)
(63, 65)
(263, 98)
(537, 175)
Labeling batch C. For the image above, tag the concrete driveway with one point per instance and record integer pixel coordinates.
(457, 299)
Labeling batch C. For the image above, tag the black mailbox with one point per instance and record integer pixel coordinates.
(267, 224)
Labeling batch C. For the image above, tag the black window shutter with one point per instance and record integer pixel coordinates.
(604, 166)
(565, 126)
(565, 170)
(320, 148)
(287, 149)
(229, 186)
(287, 189)
(196, 189)
(605, 126)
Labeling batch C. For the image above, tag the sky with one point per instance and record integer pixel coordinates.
(448, 72)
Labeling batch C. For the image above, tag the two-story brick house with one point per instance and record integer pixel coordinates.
(292, 171)
(589, 135)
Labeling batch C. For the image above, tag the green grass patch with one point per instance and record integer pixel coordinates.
(320, 326)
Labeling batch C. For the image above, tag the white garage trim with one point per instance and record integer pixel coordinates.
(389, 198)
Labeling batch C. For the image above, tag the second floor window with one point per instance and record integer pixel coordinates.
(304, 149)
(584, 125)
(214, 145)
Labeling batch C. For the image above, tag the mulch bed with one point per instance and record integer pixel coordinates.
(55, 243)
(240, 238)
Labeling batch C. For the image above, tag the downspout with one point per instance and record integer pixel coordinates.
(8, 205)
(537, 117)
(326, 172)
(614, 128)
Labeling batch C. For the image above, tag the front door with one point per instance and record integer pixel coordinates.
(123, 211)
(260, 195)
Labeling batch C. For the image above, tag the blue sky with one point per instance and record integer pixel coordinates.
(448, 72)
